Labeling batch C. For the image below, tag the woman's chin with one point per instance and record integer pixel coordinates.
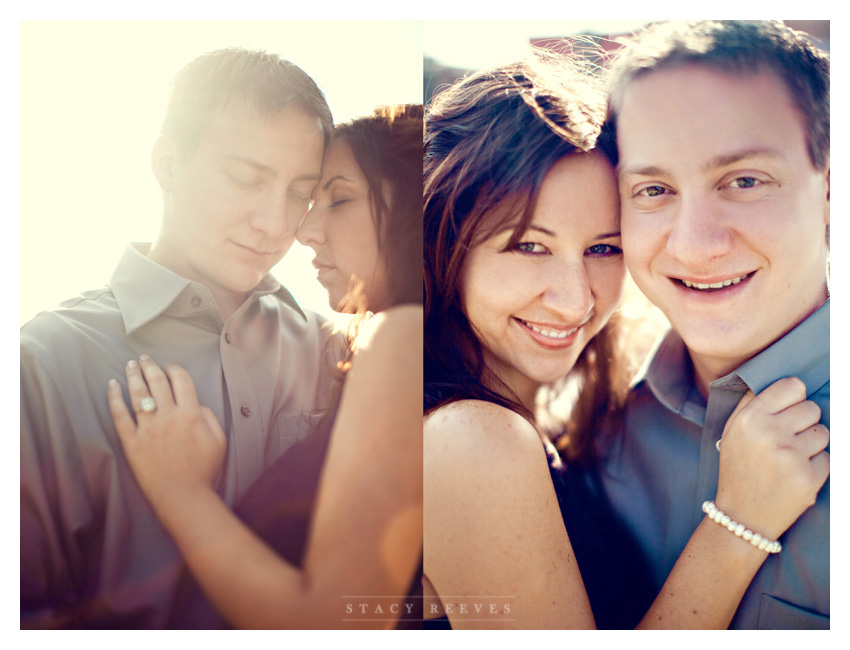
(341, 305)
(349, 303)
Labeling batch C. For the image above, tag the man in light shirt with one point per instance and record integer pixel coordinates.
(240, 151)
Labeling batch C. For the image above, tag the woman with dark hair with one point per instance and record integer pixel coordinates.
(523, 271)
(339, 515)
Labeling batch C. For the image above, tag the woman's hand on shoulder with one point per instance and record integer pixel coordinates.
(176, 447)
(773, 459)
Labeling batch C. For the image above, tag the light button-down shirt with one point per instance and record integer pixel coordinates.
(92, 552)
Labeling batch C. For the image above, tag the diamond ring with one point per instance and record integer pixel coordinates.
(148, 405)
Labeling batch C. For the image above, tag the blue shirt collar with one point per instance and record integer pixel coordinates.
(803, 353)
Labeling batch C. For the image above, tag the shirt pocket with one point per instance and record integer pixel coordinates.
(289, 429)
(776, 614)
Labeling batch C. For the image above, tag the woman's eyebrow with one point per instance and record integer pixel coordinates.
(512, 226)
(607, 235)
(338, 177)
(545, 231)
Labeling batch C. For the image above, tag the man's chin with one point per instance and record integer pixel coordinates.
(725, 349)
(244, 282)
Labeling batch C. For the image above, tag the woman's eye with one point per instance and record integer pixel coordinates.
(339, 202)
(530, 247)
(604, 250)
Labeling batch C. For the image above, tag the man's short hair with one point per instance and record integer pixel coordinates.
(265, 80)
(734, 46)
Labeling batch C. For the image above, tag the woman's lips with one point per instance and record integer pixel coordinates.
(321, 267)
(550, 336)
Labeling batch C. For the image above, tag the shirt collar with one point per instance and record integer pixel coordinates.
(669, 372)
(144, 289)
(803, 353)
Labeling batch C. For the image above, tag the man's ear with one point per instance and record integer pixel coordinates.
(163, 157)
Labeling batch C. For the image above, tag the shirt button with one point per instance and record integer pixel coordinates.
(227, 337)
(246, 411)
(196, 301)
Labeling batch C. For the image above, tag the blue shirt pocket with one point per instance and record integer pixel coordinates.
(776, 614)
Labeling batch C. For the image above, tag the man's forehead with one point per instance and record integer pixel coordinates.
(677, 81)
(730, 114)
(269, 145)
(239, 109)
(239, 122)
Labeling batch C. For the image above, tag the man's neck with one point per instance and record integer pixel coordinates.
(709, 368)
(228, 302)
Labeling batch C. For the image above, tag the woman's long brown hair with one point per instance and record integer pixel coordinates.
(489, 142)
(387, 145)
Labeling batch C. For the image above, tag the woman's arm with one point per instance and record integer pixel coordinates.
(772, 465)
(496, 549)
(365, 539)
(494, 533)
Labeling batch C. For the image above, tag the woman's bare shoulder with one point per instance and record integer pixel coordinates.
(389, 348)
(400, 325)
(492, 525)
(481, 431)
(387, 360)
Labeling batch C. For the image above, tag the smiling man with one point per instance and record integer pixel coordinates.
(240, 151)
(722, 132)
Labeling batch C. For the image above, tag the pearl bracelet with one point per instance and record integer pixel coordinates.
(739, 529)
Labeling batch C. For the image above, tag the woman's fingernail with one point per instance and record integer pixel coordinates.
(144, 357)
(132, 364)
(113, 384)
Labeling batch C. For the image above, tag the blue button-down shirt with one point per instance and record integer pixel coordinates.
(658, 474)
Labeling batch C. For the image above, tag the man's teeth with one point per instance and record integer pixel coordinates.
(714, 285)
(552, 334)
